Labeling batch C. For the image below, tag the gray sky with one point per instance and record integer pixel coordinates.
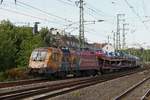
(61, 13)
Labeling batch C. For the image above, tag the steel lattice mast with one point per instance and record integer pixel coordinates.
(81, 25)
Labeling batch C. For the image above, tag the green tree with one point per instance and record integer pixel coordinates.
(16, 45)
(7, 48)
(27, 47)
(48, 37)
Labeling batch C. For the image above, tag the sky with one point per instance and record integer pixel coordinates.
(64, 14)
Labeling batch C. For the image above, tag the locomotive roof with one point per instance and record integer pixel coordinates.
(45, 48)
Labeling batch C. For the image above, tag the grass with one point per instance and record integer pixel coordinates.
(13, 74)
(2, 77)
(76, 94)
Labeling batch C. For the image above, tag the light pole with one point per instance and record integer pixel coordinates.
(35, 28)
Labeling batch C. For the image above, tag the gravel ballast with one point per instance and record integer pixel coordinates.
(104, 91)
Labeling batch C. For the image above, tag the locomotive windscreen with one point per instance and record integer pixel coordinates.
(38, 55)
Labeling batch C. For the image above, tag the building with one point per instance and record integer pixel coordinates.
(104, 46)
(64, 39)
(108, 48)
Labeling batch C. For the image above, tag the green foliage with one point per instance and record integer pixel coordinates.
(27, 47)
(48, 37)
(3, 76)
(142, 53)
(44, 32)
(16, 45)
(14, 74)
(7, 48)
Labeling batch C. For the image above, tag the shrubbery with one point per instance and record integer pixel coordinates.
(16, 45)
(14, 74)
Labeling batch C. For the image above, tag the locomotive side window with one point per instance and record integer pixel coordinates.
(43, 55)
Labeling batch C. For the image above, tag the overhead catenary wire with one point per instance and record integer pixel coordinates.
(33, 16)
(97, 11)
(70, 0)
(24, 14)
(66, 3)
(45, 12)
(95, 18)
(28, 15)
(89, 7)
(93, 15)
(94, 11)
(50, 13)
(139, 17)
(23, 4)
(143, 6)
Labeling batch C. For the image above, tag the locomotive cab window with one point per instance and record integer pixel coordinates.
(38, 55)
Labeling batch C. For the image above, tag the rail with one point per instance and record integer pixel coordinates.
(146, 96)
(131, 89)
(61, 88)
(21, 82)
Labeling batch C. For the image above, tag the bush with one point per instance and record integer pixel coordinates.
(16, 45)
(16, 73)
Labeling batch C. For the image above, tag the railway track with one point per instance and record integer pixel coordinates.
(47, 91)
(21, 82)
(146, 96)
(133, 92)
